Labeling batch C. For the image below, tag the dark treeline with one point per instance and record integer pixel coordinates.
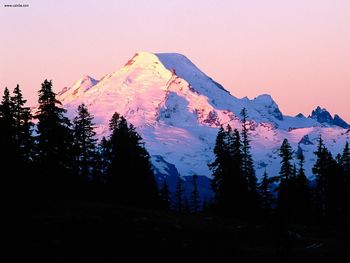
(62, 159)
(295, 200)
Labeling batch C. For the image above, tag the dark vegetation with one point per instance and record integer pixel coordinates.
(98, 201)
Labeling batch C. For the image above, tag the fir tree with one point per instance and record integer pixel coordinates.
(247, 160)
(130, 171)
(319, 169)
(345, 164)
(286, 154)
(265, 193)
(9, 155)
(328, 183)
(302, 193)
(7, 121)
(54, 143)
(194, 198)
(179, 198)
(104, 157)
(228, 183)
(345, 167)
(84, 143)
(22, 127)
(284, 198)
(165, 196)
(248, 164)
(218, 167)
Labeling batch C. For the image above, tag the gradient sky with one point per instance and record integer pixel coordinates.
(296, 50)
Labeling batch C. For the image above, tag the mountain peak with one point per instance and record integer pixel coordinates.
(265, 98)
(85, 83)
(142, 58)
(271, 106)
(321, 115)
(87, 77)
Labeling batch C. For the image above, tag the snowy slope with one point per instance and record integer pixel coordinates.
(178, 109)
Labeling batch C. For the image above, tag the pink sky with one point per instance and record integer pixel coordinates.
(297, 51)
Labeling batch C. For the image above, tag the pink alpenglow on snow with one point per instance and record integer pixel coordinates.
(178, 109)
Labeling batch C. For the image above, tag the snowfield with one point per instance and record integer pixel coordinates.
(178, 109)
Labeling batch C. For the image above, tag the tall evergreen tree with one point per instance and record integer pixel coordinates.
(84, 143)
(179, 198)
(8, 153)
(229, 184)
(194, 197)
(345, 167)
(286, 154)
(23, 126)
(284, 198)
(319, 169)
(328, 183)
(165, 196)
(265, 193)
(248, 164)
(7, 121)
(303, 200)
(104, 158)
(54, 143)
(130, 171)
(247, 160)
(219, 166)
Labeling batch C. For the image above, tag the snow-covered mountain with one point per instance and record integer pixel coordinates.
(178, 109)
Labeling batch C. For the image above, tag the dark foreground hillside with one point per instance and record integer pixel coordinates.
(82, 231)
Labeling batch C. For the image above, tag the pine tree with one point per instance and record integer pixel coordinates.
(9, 155)
(229, 184)
(248, 164)
(345, 167)
(319, 169)
(23, 126)
(286, 154)
(302, 193)
(54, 144)
(7, 122)
(247, 160)
(194, 198)
(344, 162)
(104, 158)
(130, 171)
(218, 167)
(265, 193)
(328, 183)
(284, 198)
(84, 143)
(165, 196)
(179, 196)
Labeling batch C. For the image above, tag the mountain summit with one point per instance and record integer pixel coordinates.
(323, 116)
(178, 109)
